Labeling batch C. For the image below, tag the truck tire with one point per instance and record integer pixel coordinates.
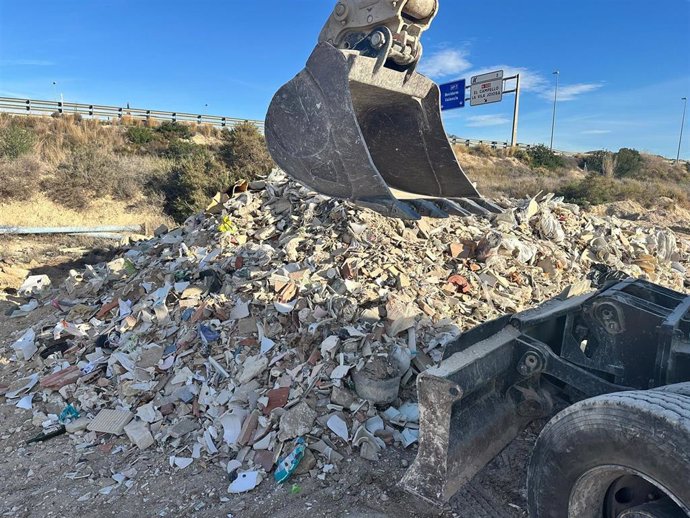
(614, 456)
(679, 388)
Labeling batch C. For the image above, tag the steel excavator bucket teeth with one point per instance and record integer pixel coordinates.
(349, 128)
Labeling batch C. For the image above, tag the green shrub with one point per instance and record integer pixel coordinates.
(178, 149)
(15, 141)
(140, 135)
(542, 156)
(595, 161)
(628, 163)
(245, 154)
(192, 183)
(171, 130)
(596, 189)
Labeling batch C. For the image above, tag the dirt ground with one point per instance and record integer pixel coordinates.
(54, 478)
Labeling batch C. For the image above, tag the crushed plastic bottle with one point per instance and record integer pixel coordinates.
(288, 464)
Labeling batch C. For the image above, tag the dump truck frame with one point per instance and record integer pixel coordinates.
(498, 377)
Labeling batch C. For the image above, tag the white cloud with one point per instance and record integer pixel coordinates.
(25, 63)
(571, 92)
(444, 63)
(455, 62)
(480, 121)
(595, 132)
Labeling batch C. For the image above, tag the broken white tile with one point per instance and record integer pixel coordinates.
(245, 481)
(339, 427)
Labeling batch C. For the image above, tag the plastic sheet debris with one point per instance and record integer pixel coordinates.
(25, 346)
(68, 414)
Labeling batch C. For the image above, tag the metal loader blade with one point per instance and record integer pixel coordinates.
(350, 128)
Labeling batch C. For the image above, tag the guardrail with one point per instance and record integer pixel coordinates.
(37, 107)
(97, 111)
(496, 144)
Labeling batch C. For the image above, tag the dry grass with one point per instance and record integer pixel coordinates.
(40, 211)
(500, 172)
(507, 176)
(20, 178)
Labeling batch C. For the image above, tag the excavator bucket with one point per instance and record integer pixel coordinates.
(351, 128)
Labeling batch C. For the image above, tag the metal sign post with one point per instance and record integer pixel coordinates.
(484, 89)
(516, 110)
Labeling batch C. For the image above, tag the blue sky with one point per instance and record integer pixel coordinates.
(624, 64)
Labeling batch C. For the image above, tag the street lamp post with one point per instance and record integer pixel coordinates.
(557, 73)
(62, 100)
(682, 123)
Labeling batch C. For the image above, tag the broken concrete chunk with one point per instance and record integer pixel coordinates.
(329, 346)
(342, 397)
(138, 432)
(183, 427)
(78, 425)
(297, 421)
(252, 367)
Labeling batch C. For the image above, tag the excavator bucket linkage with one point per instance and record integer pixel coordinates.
(349, 127)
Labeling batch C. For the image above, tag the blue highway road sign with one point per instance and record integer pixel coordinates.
(453, 95)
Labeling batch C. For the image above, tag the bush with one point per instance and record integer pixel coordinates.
(171, 130)
(85, 174)
(594, 161)
(596, 189)
(542, 156)
(90, 173)
(522, 155)
(245, 154)
(20, 178)
(193, 182)
(15, 141)
(178, 149)
(482, 150)
(140, 135)
(628, 163)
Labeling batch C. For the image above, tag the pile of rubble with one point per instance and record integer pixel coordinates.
(283, 330)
